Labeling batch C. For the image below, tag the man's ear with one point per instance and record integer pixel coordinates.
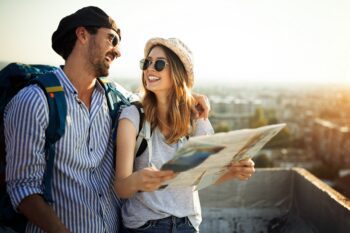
(82, 34)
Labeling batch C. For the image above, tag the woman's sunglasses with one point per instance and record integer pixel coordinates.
(159, 64)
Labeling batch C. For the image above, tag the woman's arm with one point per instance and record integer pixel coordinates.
(127, 182)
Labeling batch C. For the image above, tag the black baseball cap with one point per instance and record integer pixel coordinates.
(88, 16)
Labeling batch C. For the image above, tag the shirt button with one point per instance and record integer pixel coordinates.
(90, 149)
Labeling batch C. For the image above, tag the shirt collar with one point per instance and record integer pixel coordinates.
(67, 84)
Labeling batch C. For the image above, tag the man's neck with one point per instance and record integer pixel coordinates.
(83, 81)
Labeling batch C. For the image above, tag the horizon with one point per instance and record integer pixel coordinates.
(232, 83)
(275, 41)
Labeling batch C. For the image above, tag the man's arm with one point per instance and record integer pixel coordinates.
(25, 122)
(41, 214)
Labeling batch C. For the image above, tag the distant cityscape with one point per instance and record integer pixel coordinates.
(317, 136)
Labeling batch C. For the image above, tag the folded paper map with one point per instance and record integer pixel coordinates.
(204, 159)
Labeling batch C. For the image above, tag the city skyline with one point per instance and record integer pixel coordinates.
(274, 41)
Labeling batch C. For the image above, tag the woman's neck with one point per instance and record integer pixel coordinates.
(163, 110)
(163, 106)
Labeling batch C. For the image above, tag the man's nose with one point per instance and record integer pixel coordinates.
(116, 50)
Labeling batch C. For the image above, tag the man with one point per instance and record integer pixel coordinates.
(82, 185)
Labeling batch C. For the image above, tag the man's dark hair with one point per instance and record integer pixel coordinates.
(70, 39)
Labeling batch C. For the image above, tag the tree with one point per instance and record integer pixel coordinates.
(282, 139)
(222, 126)
(259, 119)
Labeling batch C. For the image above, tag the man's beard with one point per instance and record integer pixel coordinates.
(99, 64)
(101, 69)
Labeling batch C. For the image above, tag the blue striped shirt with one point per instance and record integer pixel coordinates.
(82, 185)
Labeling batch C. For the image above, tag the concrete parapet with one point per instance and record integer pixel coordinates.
(275, 200)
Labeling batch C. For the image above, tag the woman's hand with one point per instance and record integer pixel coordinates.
(201, 107)
(241, 170)
(127, 181)
(150, 179)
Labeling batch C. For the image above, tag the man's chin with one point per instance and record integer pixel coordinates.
(104, 74)
(103, 71)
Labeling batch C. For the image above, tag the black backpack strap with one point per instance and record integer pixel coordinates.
(143, 144)
(54, 92)
(139, 108)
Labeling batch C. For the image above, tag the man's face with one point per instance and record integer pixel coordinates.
(103, 49)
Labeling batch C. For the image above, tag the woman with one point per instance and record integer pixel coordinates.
(167, 82)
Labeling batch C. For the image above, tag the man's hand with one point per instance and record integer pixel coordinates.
(201, 107)
(241, 170)
(43, 215)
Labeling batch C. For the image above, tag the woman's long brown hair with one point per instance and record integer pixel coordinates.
(180, 100)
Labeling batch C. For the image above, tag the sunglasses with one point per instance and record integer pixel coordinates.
(113, 39)
(159, 64)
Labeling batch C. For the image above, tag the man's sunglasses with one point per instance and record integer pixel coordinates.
(114, 39)
(159, 64)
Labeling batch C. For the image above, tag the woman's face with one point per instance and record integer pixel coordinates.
(157, 81)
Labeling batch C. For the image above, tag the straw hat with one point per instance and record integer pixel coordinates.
(178, 47)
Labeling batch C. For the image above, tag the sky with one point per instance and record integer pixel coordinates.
(233, 41)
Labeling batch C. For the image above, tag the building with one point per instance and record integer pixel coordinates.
(331, 142)
(233, 112)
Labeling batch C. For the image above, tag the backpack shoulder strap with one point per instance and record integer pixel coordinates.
(148, 133)
(54, 92)
(56, 100)
(116, 98)
(144, 133)
(139, 108)
(143, 141)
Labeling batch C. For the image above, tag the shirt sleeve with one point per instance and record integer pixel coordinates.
(132, 114)
(203, 127)
(25, 122)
